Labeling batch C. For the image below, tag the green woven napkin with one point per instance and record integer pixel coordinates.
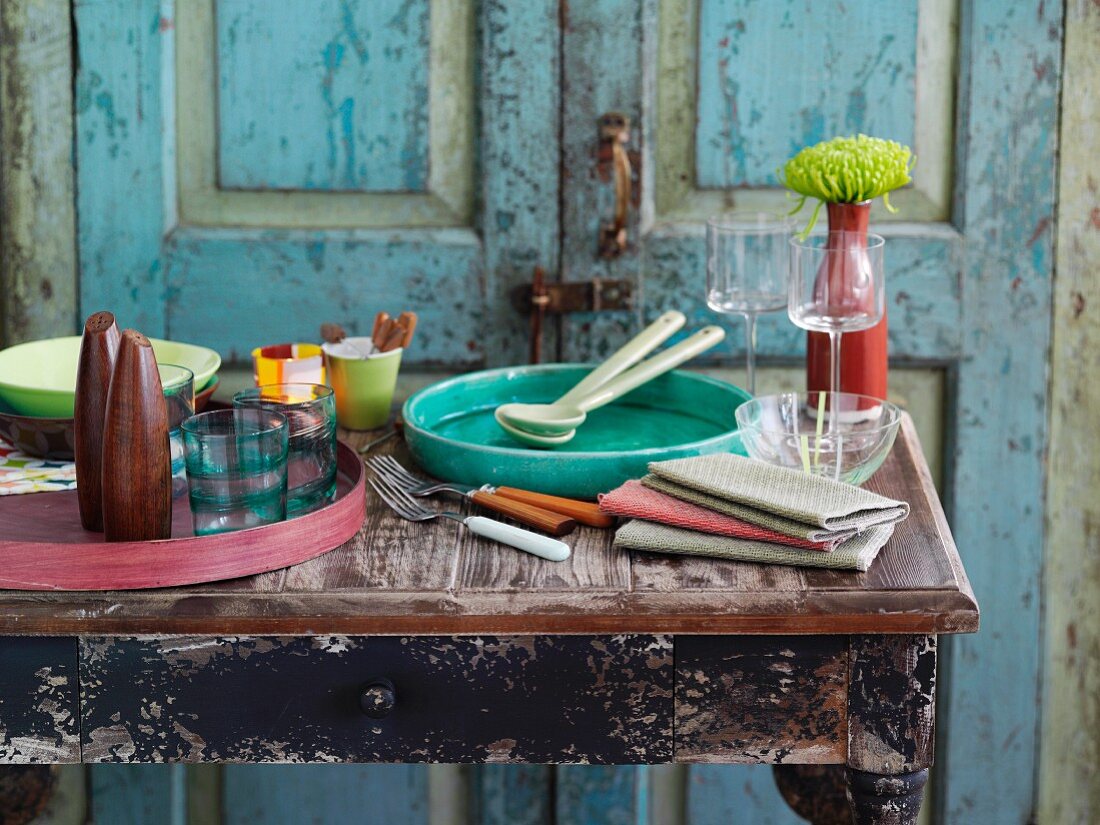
(786, 526)
(856, 553)
(776, 497)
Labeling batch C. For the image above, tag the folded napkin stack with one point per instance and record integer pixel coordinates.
(736, 508)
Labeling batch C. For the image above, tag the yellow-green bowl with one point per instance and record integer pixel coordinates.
(39, 378)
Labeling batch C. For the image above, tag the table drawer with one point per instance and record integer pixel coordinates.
(38, 690)
(605, 699)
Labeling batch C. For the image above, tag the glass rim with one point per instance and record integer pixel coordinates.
(874, 240)
(748, 222)
(892, 412)
(322, 393)
(259, 352)
(187, 374)
(276, 421)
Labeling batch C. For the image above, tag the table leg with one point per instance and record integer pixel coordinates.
(817, 793)
(24, 791)
(878, 799)
(891, 725)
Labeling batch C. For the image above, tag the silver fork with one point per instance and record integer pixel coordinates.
(410, 509)
(582, 512)
(392, 469)
(556, 524)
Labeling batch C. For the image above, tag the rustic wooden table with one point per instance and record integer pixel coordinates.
(422, 643)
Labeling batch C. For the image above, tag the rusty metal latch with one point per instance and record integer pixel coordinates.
(613, 161)
(539, 298)
(597, 295)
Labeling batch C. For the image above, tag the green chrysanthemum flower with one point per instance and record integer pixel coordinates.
(847, 170)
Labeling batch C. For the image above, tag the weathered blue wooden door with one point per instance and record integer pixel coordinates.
(249, 169)
(723, 92)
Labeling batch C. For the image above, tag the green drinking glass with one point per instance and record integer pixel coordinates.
(236, 469)
(310, 411)
(178, 384)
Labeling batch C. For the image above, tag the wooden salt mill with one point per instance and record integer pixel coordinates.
(137, 470)
(98, 351)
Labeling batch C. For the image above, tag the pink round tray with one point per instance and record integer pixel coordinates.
(43, 546)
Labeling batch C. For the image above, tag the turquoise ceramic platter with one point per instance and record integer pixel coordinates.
(452, 434)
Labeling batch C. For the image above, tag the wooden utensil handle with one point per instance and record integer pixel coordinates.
(583, 511)
(380, 321)
(555, 524)
(407, 320)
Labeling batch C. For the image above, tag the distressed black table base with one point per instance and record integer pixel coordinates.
(835, 795)
(801, 703)
(886, 800)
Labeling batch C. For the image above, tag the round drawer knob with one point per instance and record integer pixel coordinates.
(377, 698)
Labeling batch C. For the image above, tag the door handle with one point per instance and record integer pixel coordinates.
(612, 155)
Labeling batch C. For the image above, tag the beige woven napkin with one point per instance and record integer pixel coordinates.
(856, 553)
(788, 501)
(786, 526)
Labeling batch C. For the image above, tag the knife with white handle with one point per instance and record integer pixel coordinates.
(537, 545)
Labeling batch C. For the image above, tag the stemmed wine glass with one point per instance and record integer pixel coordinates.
(747, 270)
(837, 285)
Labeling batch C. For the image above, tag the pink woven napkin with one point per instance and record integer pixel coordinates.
(635, 500)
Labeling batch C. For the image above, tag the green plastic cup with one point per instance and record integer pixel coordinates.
(363, 386)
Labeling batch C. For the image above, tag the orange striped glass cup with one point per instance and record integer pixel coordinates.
(288, 364)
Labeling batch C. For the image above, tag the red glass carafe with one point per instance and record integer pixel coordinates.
(863, 356)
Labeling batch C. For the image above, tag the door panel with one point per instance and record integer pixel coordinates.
(775, 77)
(314, 133)
(294, 167)
(283, 284)
(739, 86)
(322, 96)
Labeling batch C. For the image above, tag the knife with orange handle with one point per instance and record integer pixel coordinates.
(556, 524)
(583, 512)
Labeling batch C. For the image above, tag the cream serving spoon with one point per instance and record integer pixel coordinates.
(529, 417)
(551, 425)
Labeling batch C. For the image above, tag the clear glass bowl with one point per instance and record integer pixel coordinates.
(782, 430)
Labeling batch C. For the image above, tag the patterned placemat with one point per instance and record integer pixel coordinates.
(21, 473)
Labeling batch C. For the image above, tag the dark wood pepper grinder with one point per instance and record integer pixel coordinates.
(98, 351)
(137, 468)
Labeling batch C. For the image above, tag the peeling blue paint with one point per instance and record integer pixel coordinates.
(302, 105)
(831, 68)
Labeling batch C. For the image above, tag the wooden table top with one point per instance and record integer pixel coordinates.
(402, 578)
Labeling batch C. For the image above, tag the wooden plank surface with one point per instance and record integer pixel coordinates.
(397, 577)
